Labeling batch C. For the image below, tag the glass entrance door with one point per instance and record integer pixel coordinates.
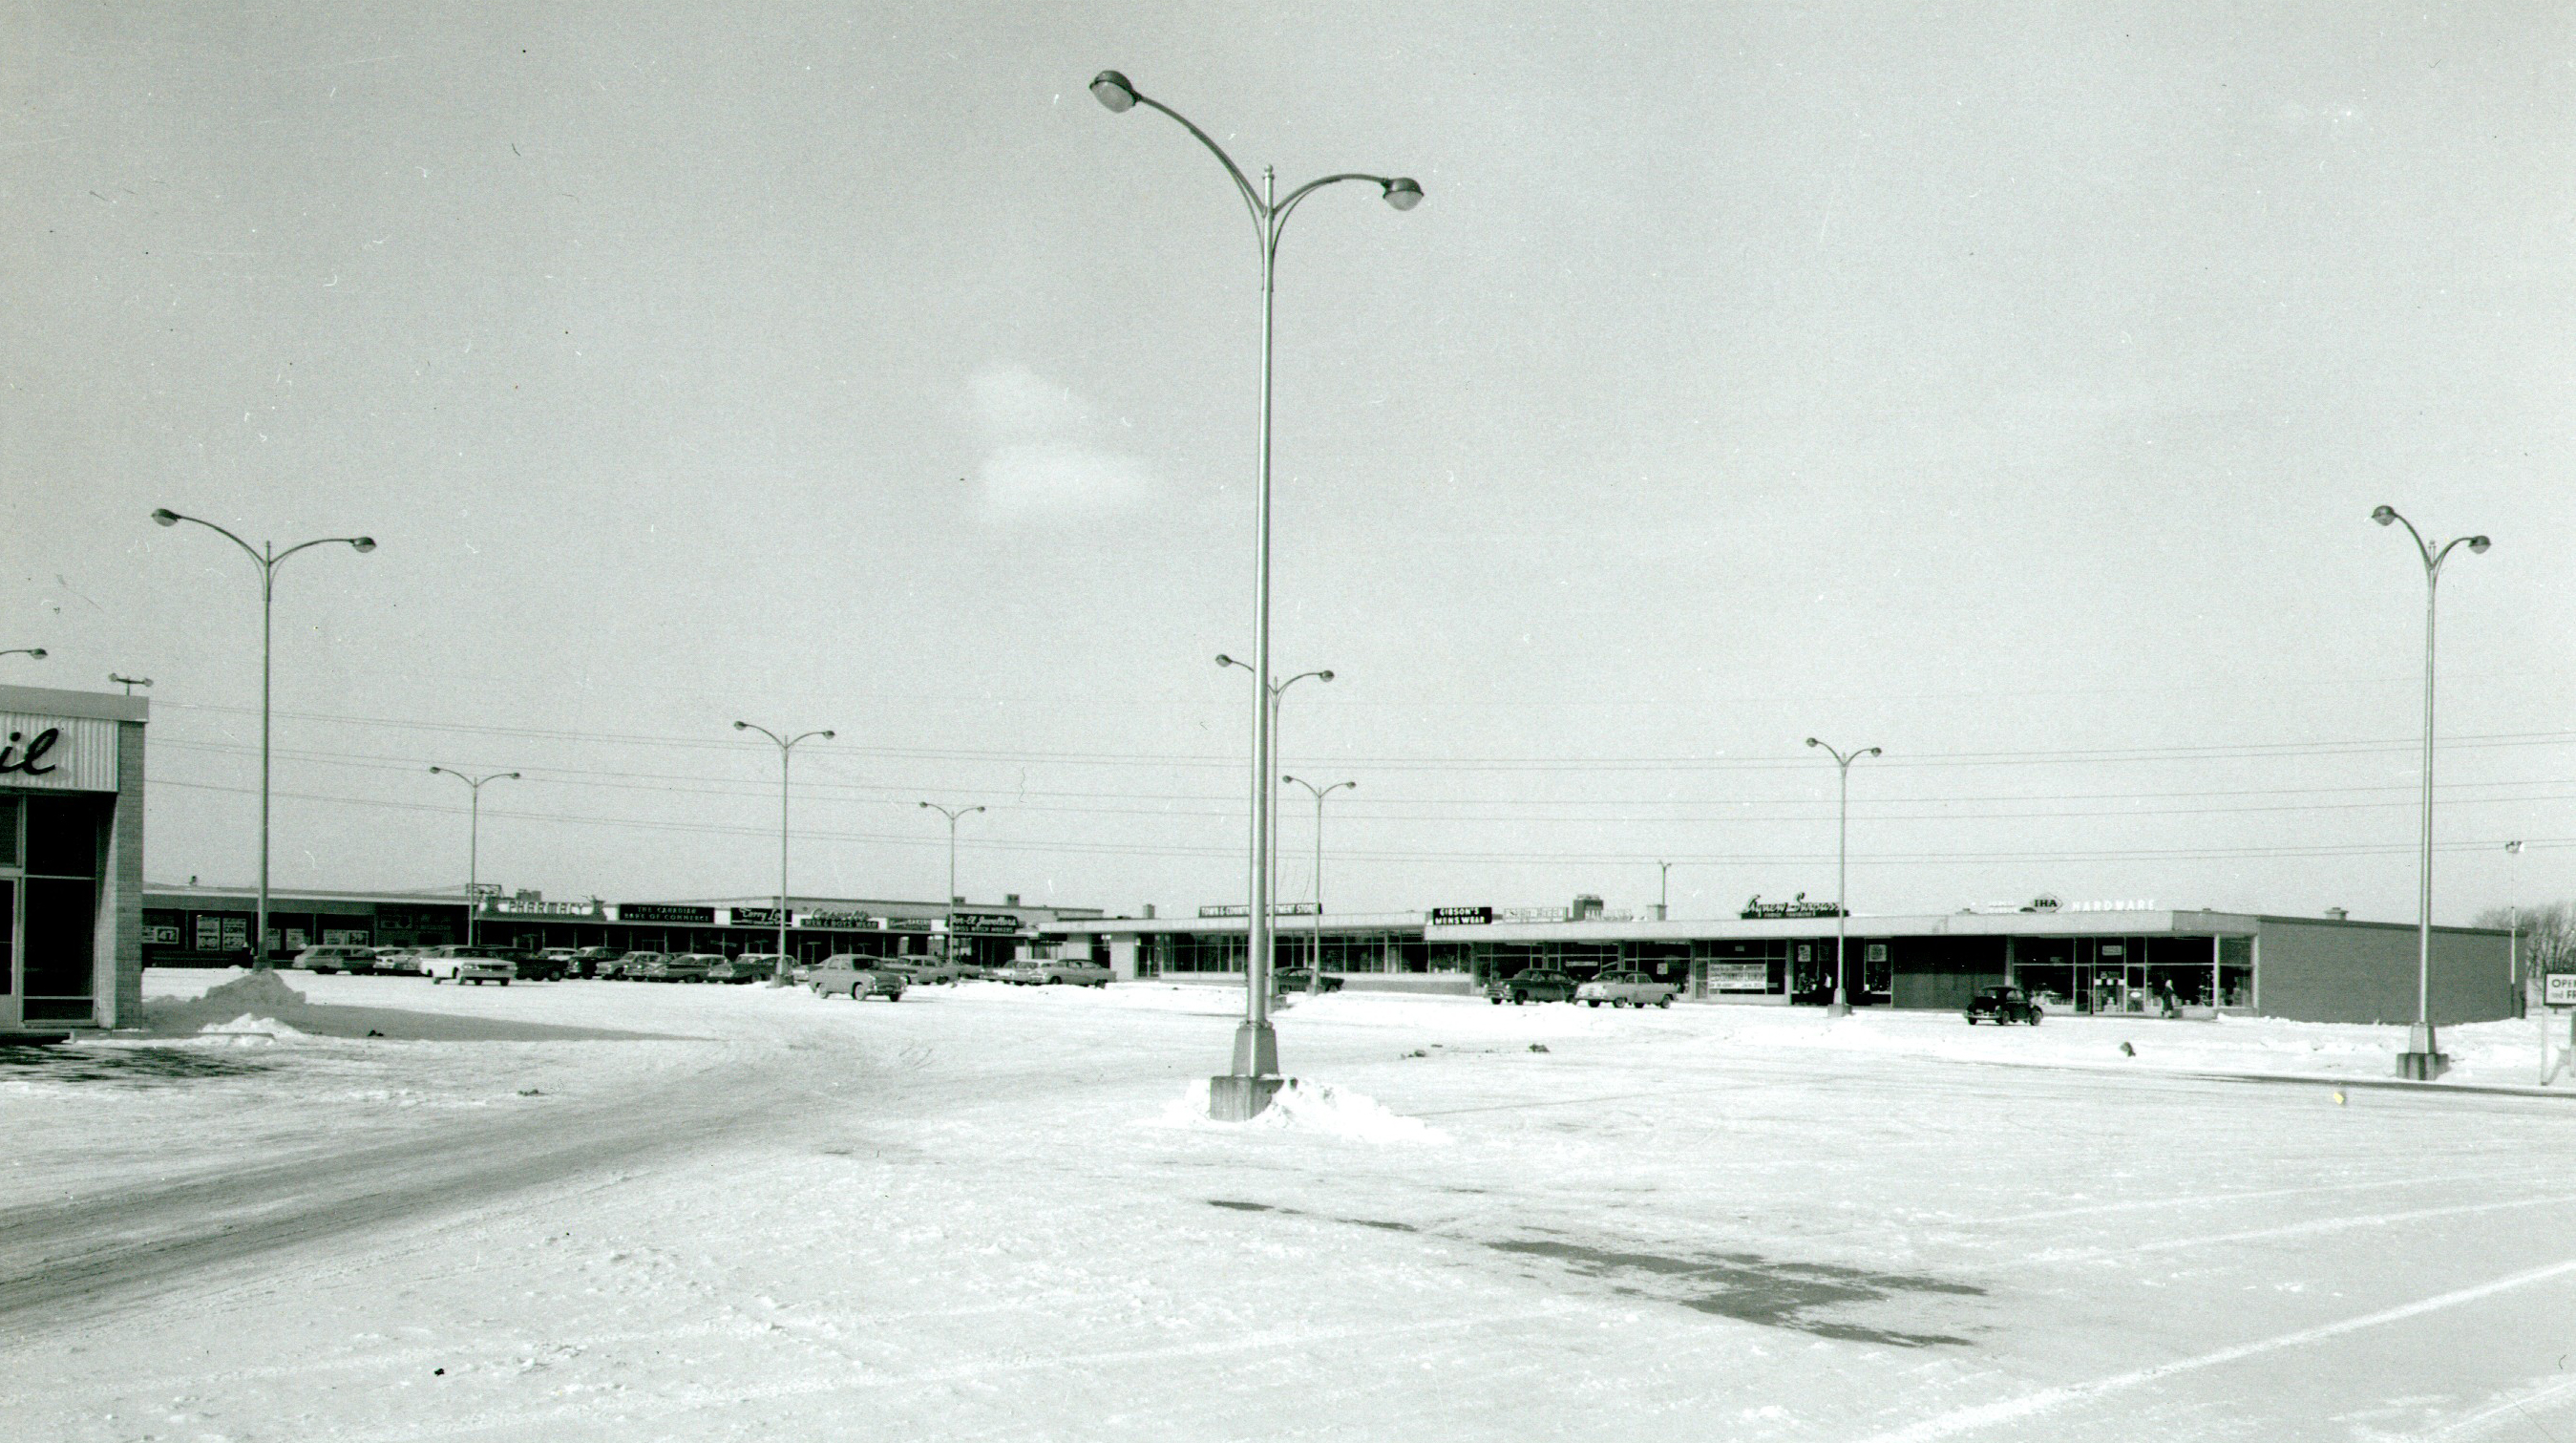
(8, 953)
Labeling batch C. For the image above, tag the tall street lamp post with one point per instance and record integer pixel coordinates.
(952, 814)
(1256, 1046)
(786, 744)
(2513, 941)
(1278, 690)
(268, 558)
(1315, 966)
(2423, 1057)
(1842, 870)
(1663, 890)
(474, 840)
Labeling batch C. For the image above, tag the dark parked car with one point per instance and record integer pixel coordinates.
(596, 962)
(1533, 984)
(1293, 979)
(2002, 1005)
(630, 967)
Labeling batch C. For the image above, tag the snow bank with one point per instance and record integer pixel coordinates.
(1313, 1108)
(253, 1004)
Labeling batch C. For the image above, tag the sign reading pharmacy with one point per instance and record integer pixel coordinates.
(534, 907)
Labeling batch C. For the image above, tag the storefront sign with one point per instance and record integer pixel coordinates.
(1739, 976)
(533, 907)
(663, 912)
(1460, 916)
(2558, 989)
(236, 934)
(294, 939)
(1757, 909)
(754, 916)
(1277, 909)
(907, 924)
(71, 754)
(210, 934)
(837, 921)
(160, 936)
(344, 936)
(983, 924)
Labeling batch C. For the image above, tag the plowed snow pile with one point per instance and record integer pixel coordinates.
(1317, 1108)
(256, 1005)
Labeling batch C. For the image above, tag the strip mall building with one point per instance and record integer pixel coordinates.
(71, 860)
(2091, 959)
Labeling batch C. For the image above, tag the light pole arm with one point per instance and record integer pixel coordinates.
(249, 550)
(317, 541)
(1279, 213)
(1242, 185)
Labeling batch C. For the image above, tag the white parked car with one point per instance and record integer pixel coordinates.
(1626, 989)
(461, 965)
(1040, 971)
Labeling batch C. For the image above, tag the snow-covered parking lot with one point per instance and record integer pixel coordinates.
(623, 1211)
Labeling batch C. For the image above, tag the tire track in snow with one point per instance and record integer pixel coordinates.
(2309, 1228)
(2047, 1400)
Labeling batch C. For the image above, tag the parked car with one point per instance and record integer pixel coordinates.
(846, 974)
(553, 964)
(1294, 979)
(336, 958)
(595, 961)
(460, 965)
(678, 967)
(922, 971)
(395, 961)
(1626, 989)
(2003, 1005)
(1532, 984)
(749, 967)
(1040, 971)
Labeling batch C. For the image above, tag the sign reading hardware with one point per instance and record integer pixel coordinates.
(1461, 916)
(840, 921)
(664, 912)
(1277, 909)
(983, 924)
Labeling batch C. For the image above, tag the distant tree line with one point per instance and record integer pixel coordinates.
(2548, 934)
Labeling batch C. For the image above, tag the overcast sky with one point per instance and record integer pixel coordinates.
(2006, 387)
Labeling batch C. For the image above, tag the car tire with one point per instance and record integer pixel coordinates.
(1664, 1001)
(1495, 1000)
(2034, 1019)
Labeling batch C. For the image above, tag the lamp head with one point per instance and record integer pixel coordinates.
(2514, 847)
(363, 543)
(828, 734)
(435, 770)
(742, 726)
(2477, 543)
(1112, 90)
(1811, 741)
(1287, 781)
(1403, 193)
(514, 776)
(1224, 660)
(2384, 515)
(1323, 676)
(165, 516)
(925, 804)
(35, 653)
(1873, 751)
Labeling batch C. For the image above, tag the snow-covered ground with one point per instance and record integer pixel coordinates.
(625, 1211)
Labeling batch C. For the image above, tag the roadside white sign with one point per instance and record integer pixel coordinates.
(2558, 989)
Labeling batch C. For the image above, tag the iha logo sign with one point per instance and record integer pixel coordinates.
(23, 752)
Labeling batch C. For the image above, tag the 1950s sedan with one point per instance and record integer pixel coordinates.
(2002, 1005)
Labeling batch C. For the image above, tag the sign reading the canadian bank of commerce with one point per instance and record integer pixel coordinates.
(1461, 916)
(663, 912)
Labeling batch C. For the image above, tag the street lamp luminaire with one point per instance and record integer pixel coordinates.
(1842, 870)
(1256, 1046)
(474, 840)
(786, 744)
(268, 558)
(2423, 1057)
(31, 653)
(129, 682)
(1315, 966)
(950, 906)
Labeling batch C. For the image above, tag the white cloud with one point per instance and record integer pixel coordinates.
(1042, 448)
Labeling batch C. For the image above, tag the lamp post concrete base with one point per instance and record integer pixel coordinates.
(1840, 1006)
(1239, 1098)
(1256, 1050)
(2422, 1061)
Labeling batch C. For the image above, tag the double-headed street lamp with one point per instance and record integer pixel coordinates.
(786, 744)
(267, 557)
(1256, 1047)
(2422, 1057)
(1278, 689)
(129, 682)
(950, 906)
(474, 839)
(1842, 870)
(1315, 967)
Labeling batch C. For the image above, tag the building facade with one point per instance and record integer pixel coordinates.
(71, 860)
